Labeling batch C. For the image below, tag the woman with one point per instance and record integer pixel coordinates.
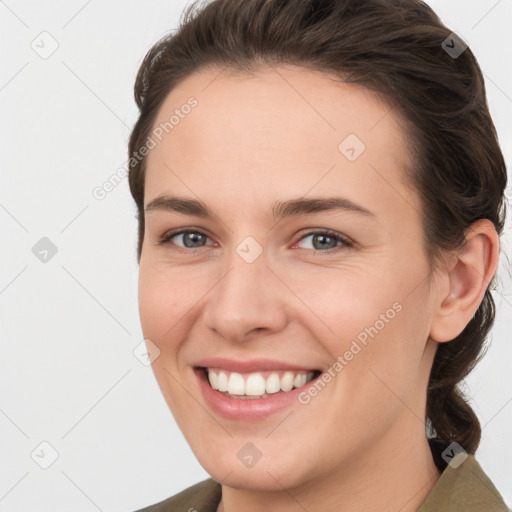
(320, 194)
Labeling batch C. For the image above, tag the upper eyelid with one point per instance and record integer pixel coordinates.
(170, 234)
(320, 231)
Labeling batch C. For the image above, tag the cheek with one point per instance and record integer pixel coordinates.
(166, 309)
(374, 324)
(166, 300)
(347, 302)
(154, 300)
(386, 372)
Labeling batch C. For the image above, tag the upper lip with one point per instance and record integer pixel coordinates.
(253, 365)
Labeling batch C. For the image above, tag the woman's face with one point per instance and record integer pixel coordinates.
(303, 253)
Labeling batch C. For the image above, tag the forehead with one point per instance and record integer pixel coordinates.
(320, 102)
(283, 125)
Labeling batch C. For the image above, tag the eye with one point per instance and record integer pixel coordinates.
(326, 241)
(190, 239)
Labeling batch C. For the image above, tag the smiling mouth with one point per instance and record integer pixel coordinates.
(255, 385)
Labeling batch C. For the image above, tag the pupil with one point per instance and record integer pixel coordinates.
(323, 245)
(193, 238)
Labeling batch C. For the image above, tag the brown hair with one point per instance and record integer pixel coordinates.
(393, 47)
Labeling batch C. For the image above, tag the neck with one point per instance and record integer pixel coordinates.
(397, 473)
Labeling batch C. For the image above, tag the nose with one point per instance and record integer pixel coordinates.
(248, 299)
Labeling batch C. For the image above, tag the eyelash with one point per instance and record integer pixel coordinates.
(346, 243)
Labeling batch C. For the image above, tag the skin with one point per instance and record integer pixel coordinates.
(252, 140)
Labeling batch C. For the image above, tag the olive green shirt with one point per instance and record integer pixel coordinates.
(465, 489)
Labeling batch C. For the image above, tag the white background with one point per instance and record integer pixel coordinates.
(69, 326)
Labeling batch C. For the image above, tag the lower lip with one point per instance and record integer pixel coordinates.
(251, 409)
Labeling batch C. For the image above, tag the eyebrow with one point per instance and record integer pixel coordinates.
(280, 210)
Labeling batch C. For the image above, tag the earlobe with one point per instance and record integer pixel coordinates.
(468, 277)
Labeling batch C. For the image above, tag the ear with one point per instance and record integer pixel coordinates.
(466, 277)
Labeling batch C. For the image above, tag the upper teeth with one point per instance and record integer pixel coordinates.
(255, 384)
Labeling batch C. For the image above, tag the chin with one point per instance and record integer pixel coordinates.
(254, 479)
(266, 474)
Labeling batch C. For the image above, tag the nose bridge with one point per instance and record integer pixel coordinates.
(246, 297)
